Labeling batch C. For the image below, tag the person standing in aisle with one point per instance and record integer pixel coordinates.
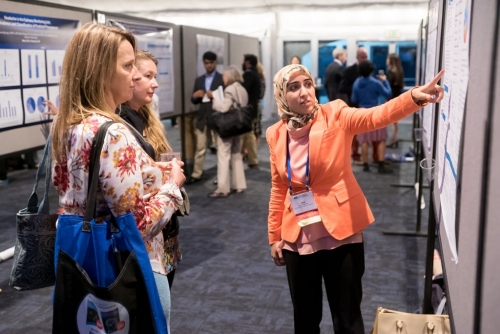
(310, 167)
(334, 74)
(202, 95)
(350, 75)
(251, 82)
(396, 78)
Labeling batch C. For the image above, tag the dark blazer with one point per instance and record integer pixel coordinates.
(333, 75)
(251, 82)
(205, 110)
(350, 75)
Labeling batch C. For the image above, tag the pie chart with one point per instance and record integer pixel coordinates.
(30, 104)
(40, 104)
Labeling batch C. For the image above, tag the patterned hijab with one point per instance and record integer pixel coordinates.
(293, 119)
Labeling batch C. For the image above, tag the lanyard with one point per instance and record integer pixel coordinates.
(290, 167)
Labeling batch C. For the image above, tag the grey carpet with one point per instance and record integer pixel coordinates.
(226, 282)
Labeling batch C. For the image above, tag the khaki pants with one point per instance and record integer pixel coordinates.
(201, 149)
(189, 137)
(229, 160)
(249, 142)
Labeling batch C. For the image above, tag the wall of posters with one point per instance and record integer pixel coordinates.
(451, 113)
(31, 54)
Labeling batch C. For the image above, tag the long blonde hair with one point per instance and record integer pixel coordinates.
(88, 65)
(154, 132)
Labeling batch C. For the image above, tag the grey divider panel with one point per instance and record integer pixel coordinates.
(190, 58)
(461, 277)
(176, 45)
(31, 136)
(429, 139)
(241, 45)
(490, 322)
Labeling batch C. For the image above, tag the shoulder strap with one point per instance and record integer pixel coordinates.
(45, 162)
(94, 167)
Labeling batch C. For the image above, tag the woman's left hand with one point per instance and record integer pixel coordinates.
(431, 92)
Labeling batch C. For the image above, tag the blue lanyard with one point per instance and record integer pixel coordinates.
(290, 167)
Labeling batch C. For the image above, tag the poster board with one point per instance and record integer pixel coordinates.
(241, 45)
(191, 62)
(32, 43)
(432, 56)
(163, 41)
(461, 276)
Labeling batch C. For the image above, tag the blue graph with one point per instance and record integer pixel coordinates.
(7, 111)
(40, 105)
(30, 103)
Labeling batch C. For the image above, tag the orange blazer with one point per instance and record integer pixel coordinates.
(341, 203)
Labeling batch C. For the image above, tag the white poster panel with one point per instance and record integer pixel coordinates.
(430, 72)
(455, 81)
(11, 108)
(161, 47)
(210, 43)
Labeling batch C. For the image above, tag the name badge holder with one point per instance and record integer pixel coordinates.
(303, 203)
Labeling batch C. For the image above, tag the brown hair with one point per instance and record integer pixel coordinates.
(89, 62)
(154, 132)
(397, 70)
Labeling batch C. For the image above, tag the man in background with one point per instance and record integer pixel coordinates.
(251, 82)
(350, 75)
(202, 96)
(335, 73)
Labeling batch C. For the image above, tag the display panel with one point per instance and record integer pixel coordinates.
(451, 112)
(31, 54)
(210, 43)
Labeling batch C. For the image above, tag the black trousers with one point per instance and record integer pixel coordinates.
(341, 269)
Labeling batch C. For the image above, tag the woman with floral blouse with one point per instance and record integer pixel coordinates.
(99, 74)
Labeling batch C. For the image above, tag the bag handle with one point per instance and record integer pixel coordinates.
(94, 167)
(429, 327)
(45, 162)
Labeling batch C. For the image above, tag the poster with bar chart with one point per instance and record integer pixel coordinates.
(11, 108)
(33, 104)
(54, 65)
(10, 74)
(33, 67)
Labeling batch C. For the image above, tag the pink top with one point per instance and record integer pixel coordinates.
(314, 237)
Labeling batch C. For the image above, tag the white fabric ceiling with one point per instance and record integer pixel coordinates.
(287, 18)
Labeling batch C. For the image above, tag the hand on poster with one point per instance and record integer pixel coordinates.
(53, 110)
(431, 92)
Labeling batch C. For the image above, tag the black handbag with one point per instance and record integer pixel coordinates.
(33, 266)
(234, 122)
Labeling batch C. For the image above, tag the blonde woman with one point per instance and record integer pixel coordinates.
(99, 74)
(139, 113)
(229, 149)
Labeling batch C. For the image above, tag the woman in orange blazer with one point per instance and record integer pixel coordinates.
(317, 211)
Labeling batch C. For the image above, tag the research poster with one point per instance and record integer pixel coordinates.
(451, 113)
(161, 48)
(31, 55)
(210, 43)
(430, 72)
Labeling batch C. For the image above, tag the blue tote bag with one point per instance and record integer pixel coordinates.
(104, 280)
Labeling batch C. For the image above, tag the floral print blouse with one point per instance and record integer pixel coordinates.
(130, 181)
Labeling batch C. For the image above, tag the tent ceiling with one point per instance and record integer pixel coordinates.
(191, 6)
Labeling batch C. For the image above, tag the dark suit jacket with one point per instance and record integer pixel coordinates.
(205, 110)
(251, 82)
(350, 75)
(333, 76)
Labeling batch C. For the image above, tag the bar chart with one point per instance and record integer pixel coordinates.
(11, 108)
(33, 107)
(33, 67)
(54, 65)
(9, 68)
